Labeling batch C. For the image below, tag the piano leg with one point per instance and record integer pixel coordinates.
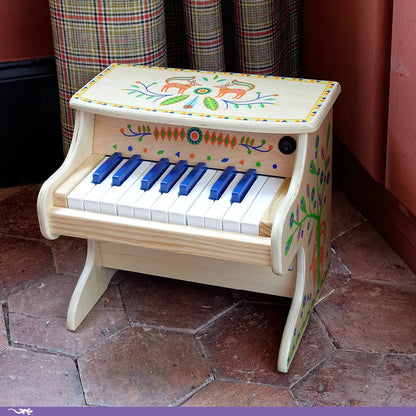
(297, 313)
(91, 285)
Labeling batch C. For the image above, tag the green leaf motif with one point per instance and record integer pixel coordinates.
(312, 168)
(288, 244)
(303, 204)
(211, 103)
(328, 134)
(174, 100)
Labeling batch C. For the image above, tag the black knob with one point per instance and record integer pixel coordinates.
(287, 145)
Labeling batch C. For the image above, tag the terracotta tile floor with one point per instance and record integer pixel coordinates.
(158, 342)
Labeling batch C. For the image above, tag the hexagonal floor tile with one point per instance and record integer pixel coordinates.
(69, 254)
(236, 394)
(143, 367)
(244, 344)
(351, 378)
(369, 257)
(174, 304)
(22, 262)
(24, 372)
(37, 317)
(371, 317)
(18, 214)
(344, 216)
(8, 192)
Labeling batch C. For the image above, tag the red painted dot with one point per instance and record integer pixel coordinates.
(191, 155)
(145, 150)
(271, 147)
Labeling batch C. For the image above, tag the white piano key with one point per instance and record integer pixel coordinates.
(125, 204)
(75, 197)
(143, 205)
(108, 203)
(178, 210)
(232, 218)
(92, 199)
(213, 217)
(195, 215)
(251, 221)
(159, 210)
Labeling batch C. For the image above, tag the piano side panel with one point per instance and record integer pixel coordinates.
(80, 150)
(302, 229)
(218, 149)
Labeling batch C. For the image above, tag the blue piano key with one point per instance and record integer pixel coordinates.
(126, 170)
(221, 184)
(103, 171)
(240, 190)
(173, 176)
(192, 178)
(154, 174)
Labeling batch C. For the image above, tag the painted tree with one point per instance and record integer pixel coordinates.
(306, 220)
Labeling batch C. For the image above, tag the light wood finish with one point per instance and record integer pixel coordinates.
(81, 149)
(62, 191)
(310, 243)
(231, 274)
(268, 160)
(91, 285)
(138, 93)
(166, 237)
(269, 216)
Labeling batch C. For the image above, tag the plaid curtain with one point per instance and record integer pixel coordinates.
(250, 36)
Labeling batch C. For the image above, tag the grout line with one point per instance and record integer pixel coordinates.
(218, 316)
(80, 381)
(179, 401)
(6, 322)
(334, 238)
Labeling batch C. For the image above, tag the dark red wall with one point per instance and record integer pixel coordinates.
(25, 30)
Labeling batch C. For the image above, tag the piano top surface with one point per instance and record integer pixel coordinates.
(208, 99)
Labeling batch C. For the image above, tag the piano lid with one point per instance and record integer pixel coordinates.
(208, 99)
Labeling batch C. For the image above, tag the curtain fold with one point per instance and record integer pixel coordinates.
(250, 36)
(204, 35)
(91, 34)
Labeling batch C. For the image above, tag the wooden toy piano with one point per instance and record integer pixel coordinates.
(216, 178)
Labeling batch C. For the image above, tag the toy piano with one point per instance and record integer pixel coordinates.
(217, 178)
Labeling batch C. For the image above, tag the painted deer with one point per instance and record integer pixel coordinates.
(181, 86)
(229, 88)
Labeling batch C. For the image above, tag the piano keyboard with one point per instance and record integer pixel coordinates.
(177, 193)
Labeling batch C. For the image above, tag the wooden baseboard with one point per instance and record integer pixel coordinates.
(30, 128)
(390, 218)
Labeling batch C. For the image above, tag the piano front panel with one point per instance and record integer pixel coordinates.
(217, 148)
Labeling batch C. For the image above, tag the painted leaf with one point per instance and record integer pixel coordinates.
(303, 204)
(312, 167)
(211, 103)
(174, 100)
(288, 244)
(328, 134)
